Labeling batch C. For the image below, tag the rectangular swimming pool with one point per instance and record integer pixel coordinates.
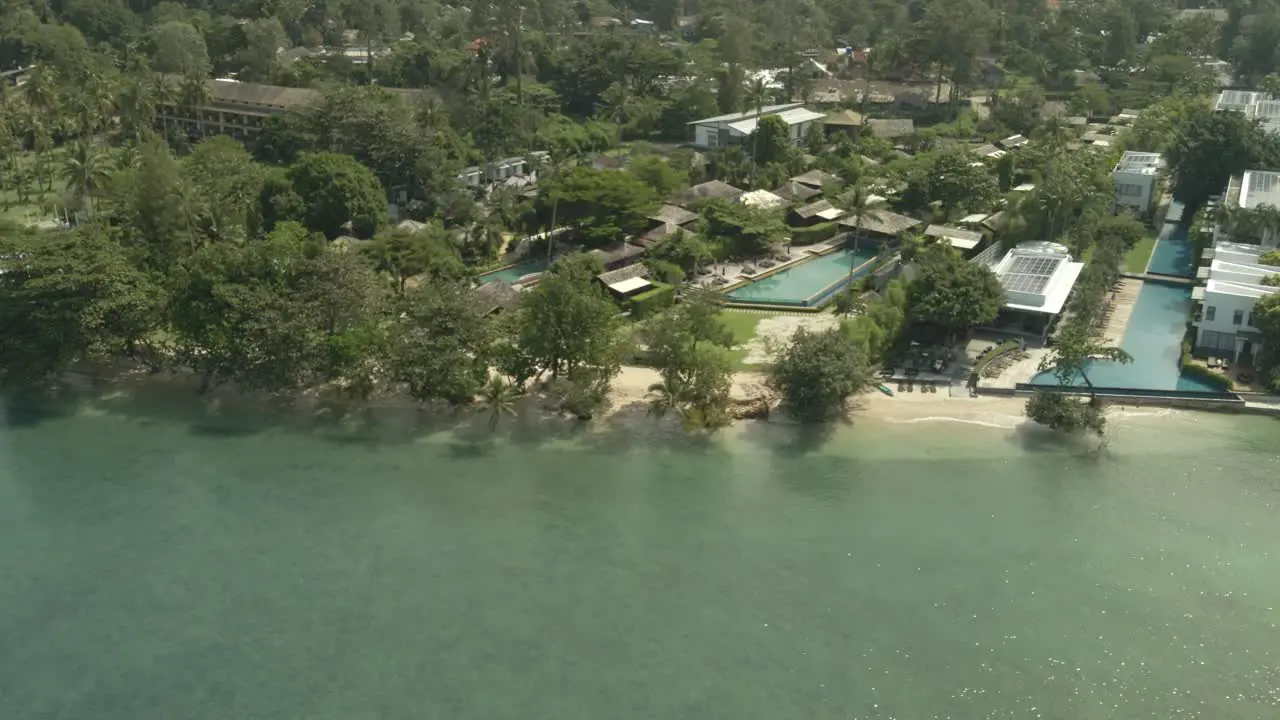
(512, 273)
(806, 284)
(1154, 339)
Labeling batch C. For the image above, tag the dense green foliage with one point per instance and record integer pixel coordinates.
(817, 372)
(953, 294)
(276, 259)
(652, 301)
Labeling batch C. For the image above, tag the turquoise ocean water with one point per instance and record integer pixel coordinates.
(162, 560)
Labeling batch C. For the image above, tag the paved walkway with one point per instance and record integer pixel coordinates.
(1126, 298)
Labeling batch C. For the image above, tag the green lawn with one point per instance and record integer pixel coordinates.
(1135, 261)
(743, 326)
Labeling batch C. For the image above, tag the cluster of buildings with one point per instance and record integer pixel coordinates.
(1232, 275)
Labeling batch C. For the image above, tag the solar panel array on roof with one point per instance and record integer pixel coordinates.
(1029, 274)
(1267, 109)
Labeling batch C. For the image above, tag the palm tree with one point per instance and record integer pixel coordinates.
(670, 395)
(85, 172)
(757, 93)
(860, 203)
(163, 98)
(194, 95)
(499, 396)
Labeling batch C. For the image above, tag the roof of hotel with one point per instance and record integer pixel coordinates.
(1140, 163)
(1235, 270)
(673, 215)
(734, 117)
(794, 116)
(816, 178)
(961, 239)
(882, 222)
(1037, 279)
(799, 192)
(709, 189)
(821, 209)
(639, 270)
(761, 199)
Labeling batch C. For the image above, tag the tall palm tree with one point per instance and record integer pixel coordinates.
(757, 93)
(860, 203)
(85, 172)
(194, 95)
(499, 397)
(163, 97)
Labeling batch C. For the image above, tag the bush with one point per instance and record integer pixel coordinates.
(1213, 377)
(652, 301)
(813, 233)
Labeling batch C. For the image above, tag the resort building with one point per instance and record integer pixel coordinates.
(665, 222)
(626, 282)
(1260, 106)
(515, 171)
(239, 108)
(733, 128)
(1037, 278)
(1251, 190)
(1224, 320)
(1136, 177)
(880, 226)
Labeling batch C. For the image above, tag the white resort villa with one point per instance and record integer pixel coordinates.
(1232, 276)
(1224, 322)
(1037, 279)
(1136, 177)
(722, 130)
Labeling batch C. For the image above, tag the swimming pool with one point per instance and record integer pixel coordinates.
(1154, 339)
(512, 273)
(806, 284)
(1172, 254)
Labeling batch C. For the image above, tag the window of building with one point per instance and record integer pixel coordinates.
(1237, 317)
(1250, 321)
(1209, 313)
(1127, 190)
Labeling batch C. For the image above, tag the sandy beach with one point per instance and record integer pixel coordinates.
(631, 388)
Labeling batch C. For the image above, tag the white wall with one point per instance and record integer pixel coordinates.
(1225, 307)
(705, 136)
(1146, 185)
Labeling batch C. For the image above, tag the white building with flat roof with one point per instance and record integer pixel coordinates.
(722, 130)
(1260, 106)
(1037, 278)
(1233, 285)
(1136, 177)
(1249, 191)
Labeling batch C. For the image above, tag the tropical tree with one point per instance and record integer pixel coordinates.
(1075, 348)
(953, 294)
(817, 372)
(194, 95)
(85, 172)
(498, 397)
(862, 206)
(669, 395)
(757, 94)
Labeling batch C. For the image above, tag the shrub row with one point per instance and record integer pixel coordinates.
(652, 301)
(813, 233)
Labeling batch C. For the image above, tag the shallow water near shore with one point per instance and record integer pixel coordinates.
(161, 559)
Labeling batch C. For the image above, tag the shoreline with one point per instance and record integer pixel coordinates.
(627, 400)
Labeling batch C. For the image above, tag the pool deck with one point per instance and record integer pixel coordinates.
(1117, 323)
